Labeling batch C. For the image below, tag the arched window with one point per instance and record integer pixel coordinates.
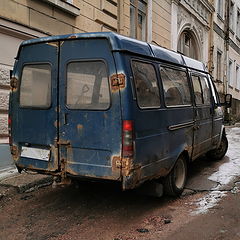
(187, 45)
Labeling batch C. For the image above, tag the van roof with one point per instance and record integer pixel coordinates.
(122, 43)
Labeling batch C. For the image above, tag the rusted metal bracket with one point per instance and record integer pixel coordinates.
(63, 142)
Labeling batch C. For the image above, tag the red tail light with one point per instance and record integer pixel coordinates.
(10, 129)
(127, 138)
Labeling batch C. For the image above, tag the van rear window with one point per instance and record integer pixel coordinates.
(35, 88)
(87, 85)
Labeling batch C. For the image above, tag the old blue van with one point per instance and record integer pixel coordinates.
(104, 106)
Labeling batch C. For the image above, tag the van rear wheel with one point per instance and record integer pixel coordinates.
(175, 182)
(219, 153)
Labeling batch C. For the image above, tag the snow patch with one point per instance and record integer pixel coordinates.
(208, 201)
(225, 174)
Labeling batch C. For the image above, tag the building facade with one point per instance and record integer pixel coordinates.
(191, 24)
(225, 46)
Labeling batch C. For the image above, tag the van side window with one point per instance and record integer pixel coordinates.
(206, 90)
(87, 85)
(146, 85)
(214, 92)
(201, 90)
(198, 95)
(176, 88)
(35, 88)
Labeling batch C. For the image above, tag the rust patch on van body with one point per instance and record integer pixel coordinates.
(79, 127)
(53, 44)
(130, 173)
(15, 152)
(56, 124)
(14, 84)
(116, 163)
(118, 81)
(72, 37)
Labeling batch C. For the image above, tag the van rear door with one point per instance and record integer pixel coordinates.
(34, 107)
(90, 113)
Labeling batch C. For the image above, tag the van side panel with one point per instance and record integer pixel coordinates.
(161, 135)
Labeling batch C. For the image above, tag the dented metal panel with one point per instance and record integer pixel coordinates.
(33, 127)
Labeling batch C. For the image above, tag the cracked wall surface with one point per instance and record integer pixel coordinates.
(4, 100)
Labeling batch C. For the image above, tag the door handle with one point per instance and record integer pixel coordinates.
(196, 127)
(211, 111)
(65, 118)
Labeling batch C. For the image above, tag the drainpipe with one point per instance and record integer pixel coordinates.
(226, 56)
(226, 46)
(211, 45)
(120, 25)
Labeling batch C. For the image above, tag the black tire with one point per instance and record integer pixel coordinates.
(219, 153)
(175, 182)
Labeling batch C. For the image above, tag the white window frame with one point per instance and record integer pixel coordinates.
(238, 77)
(219, 66)
(135, 33)
(231, 16)
(230, 72)
(220, 6)
(238, 23)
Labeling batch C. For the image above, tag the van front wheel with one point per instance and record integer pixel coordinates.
(219, 153)
(174, 183)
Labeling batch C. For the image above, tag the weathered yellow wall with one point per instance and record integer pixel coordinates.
(95, 15)
(161, 22)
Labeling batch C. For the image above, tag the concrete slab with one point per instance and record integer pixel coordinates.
(26, 181)
(8, 172)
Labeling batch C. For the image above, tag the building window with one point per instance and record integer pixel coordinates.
(238, 77)
(219, 66)
(231, 16)
(238, 23)
(138, 19)
(220, 4)
(187, 45)
(230, 75)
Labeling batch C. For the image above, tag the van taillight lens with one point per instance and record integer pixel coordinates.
(10, 129)
(127, 138)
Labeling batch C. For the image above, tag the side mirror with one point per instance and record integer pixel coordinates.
(228, 100)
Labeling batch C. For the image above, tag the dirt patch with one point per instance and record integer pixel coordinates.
(93, 211)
